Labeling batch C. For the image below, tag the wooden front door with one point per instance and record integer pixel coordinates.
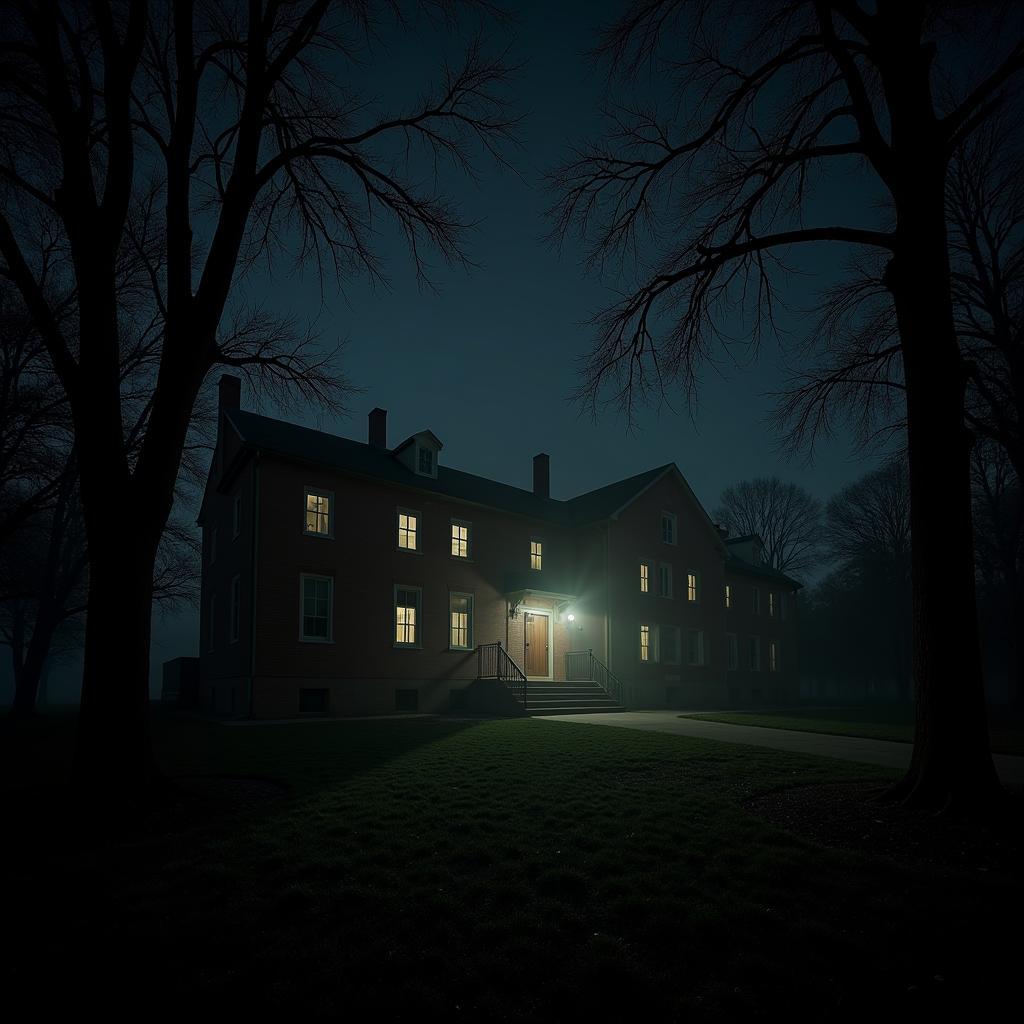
(536, 644)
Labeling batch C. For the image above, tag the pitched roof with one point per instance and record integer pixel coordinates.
(304, 444)
(734, 563)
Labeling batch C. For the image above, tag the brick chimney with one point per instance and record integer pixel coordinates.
(230, 389)
(377, 423)
(542, 475)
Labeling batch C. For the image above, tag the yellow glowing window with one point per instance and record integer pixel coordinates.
(536, 554)
(460, 607)
(645, 578)
(691, 586)
(318, 513)
(728, 596)
(460, 540)
(645, 643)
(408, 525)
(407, 603)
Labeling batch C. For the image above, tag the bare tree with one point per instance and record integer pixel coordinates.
(181, 144)
(775, 96)
(785, 516)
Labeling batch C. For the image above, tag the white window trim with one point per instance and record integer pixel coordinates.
(433, 460)
(468, 557)
(303, 576)
(675, 528)
(235, 610)
(318, 492)
(418, 645)
(539, 541)
(418, 550)
(236, 516)
(470, 625)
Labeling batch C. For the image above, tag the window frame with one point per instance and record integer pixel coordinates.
(417, 643)
(732, 652)
(728, 596)
(468, 526)
(662, 576)
(693, 585)
(538, 554)
(754, 644)
(645, 576)
(470, 615)
(418, 516)
(678, 633)
(651, 658)
(303, 638)
(755, 605)
(773, 655)
(317, 492)
(702, 658)
(673, 520)
(771, 604)
(235, 610)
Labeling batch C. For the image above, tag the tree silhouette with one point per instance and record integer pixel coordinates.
(785, 516)
(175, 146)
(774, 96)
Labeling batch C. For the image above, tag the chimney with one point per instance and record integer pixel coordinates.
(378, 428)
(230, 388)
(542, 475)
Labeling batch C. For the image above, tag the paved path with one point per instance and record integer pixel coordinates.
(846, 748)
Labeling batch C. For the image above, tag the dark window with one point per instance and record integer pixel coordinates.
(313, 701)
(426, 461)
(407, 700)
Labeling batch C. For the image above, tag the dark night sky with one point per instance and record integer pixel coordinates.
(488, 360)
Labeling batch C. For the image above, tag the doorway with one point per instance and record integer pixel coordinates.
(538, 644)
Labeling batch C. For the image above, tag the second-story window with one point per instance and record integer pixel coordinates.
(665, 580)
(692, 593)
(407, 606)
(755, 600)
(319, 512)
(771, 604)
(408, 530)
(645, 578)
(728, 596)
(645, 643)
(460, 539)
(536, 555)
(668, 527)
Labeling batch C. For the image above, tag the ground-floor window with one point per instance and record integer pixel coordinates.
(695, 646)
(460, 611)
(407, 615)
(317, 597)
(668, 639)
(646, 651)
(732, 653)
(755, 653)
(773, 656)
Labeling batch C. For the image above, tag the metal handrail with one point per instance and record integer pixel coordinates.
(585, 666)
(494, 662)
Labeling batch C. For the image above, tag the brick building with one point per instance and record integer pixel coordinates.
(351, 578)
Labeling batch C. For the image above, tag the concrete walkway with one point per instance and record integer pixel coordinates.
(846, 748)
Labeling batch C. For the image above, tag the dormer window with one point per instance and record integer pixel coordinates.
(419, 453)
(426, 461)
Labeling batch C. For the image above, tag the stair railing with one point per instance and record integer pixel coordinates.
(494, 662)
(585, 666)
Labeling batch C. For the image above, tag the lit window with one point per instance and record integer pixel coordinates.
(460, 540)
(319, 513)
(695, 646)
(773, 656)
(407, 604)
(645, 643)
(236, 516)
(460, 609)
(755, 654)
(691, 586)
(756, 600)
(408, 527)
(236, 608)
(771, 604)
(536, 554)
(728, 596)
(732, 652)
(668, 640)
(426, 461)
(645, 578)
(317, 598)
(665, 580)
(668, 527)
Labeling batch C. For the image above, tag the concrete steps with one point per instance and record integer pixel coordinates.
(577, 698)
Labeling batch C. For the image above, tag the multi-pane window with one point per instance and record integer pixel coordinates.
(771, 604)
(408, 530)
(317, 597)
(665, 580)
(536, 554)
(728, 596)
(695, 646)
(668, 527)
(407, 614)
(773, 656)
(645, 578)
(755, 600)
(645, 643)
(460, 539)
(318, 513)
(755, 654)
(460, 612)
(691, 587)
(426, 461)
(236, 608)
(732, 652)
(668, 640)
(236, 516)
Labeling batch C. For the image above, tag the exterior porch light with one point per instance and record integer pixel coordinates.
(571, 617)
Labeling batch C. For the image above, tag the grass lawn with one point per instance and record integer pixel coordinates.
(499, 870)
(874, 721)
